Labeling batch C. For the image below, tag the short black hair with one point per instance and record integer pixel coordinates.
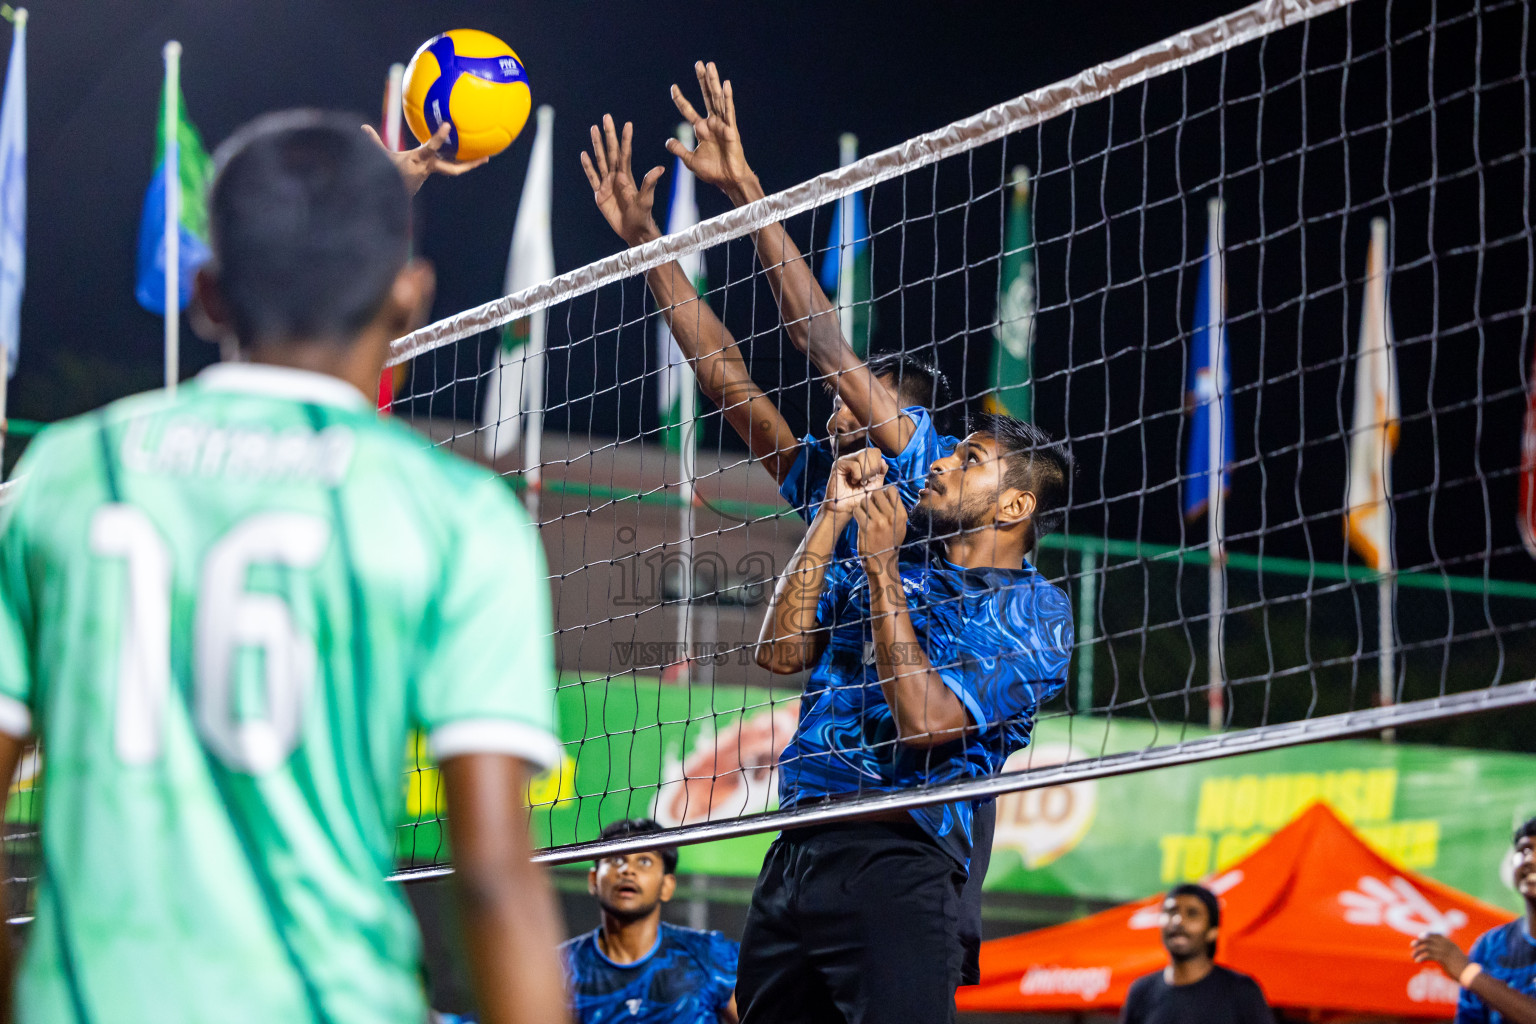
(1205, 896)
(1036, 462)
(1525, 831)
(309, 223)
(917, 382)
(639, 827)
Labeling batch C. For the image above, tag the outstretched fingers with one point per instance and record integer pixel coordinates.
(702, 73)
(684, 107)
(597, 153)
(714, 94)
(625, 141)
(610, 142)
(728, 107)
(593, 178)
(651, 178)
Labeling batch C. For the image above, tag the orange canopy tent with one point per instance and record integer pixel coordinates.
(1318, 917)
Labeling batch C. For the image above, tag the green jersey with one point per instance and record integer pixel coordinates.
(223, 614)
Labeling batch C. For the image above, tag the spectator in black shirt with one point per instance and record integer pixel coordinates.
(1192, 989)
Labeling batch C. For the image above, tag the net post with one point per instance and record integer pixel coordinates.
(848, 152)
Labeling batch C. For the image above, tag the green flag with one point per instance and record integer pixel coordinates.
(1012, 355)
(194, 174)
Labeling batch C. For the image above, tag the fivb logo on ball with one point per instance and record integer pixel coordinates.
(475, 83)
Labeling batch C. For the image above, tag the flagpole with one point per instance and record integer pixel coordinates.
(172, 54)
(688, 464)
(19, 19)
(1215, 520)
(390, 131)
(848, 152)
(533, 374)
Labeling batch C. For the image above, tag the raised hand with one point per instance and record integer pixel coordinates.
(1441, 950)
(419, 164)
(717, 158)
(853, 478)
(882, 520)
(624, 205)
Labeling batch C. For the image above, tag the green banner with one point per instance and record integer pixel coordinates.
(638, 748)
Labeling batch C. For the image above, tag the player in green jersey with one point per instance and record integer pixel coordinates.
(222, 614)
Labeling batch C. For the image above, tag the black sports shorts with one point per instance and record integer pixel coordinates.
(852, 923)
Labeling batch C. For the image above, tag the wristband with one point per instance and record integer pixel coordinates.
(1469, 974)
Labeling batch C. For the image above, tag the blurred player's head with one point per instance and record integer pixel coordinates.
(1191, 915)
(1006, 475)
(631, 886)
(915, 383)
(1522, 860)
(309, 224)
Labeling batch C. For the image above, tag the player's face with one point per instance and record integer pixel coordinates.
(1525, 867)
(962, 489)
(845, 432)
(631, 885)
(1186, 925)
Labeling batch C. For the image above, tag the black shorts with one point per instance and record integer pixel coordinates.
(852, 923)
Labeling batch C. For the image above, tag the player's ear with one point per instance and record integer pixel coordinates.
(410, 298)
(668, 887)
(592, 880)
(211, 318)
(1014, 506)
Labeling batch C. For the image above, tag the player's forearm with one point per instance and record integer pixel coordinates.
(927, 712)
(791, 639)
(811, 320)
(1515, 1006)
(512, 930)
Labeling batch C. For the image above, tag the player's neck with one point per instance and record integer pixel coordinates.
(1530, 916)
(625, 941)
(1188, 972)
(359, 364)
(986, 548)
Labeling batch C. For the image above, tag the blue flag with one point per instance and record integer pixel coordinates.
(13, 194)
(193, 174)
(1210, 338)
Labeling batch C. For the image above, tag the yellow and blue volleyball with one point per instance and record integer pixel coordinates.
(473, 81)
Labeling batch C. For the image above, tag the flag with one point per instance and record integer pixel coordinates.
(1373, 437)
(845, 270)
(193, 173)
(676, 374)
(530, 261)
(13, 194)
(1527, 514)
(1208, 350)
(1014, 336)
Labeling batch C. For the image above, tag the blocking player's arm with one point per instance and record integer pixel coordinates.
(808, 315)
(506, 909)
(1514, 1005)
(794, 632)
(926, 711)
(704, 341)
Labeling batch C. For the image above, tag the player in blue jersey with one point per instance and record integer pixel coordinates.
(635, 968)
(1498, 978)
(889, 403)
(922, 672)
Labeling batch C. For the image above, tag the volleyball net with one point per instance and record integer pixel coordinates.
(1271, 279)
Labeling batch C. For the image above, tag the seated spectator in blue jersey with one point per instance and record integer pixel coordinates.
(1498, 978)
(636, 968)
(891, 403)
(923, 671)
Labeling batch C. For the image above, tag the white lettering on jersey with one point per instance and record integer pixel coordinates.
(188, 448)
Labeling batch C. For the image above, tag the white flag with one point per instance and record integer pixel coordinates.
(676, 375)
(515, 383)
(1373, 437)
(13, 194)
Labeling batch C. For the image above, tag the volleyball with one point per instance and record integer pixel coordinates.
(476, 83)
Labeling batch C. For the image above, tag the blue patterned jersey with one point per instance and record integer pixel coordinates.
(1507, 953)
(1000, 639)
(687, 978)
(806, 484)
